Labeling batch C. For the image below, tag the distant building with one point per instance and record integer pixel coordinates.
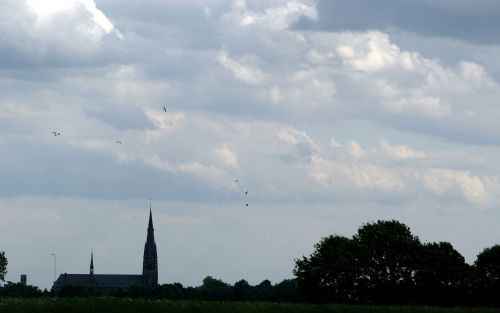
(24, 279)
(104, 283)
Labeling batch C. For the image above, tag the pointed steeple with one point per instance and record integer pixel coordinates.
(150, 225)
(151, 231)
(91, 262)
(150, 258)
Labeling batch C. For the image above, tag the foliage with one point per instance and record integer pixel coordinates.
(384, 263)
(387, 257)
(98, 305)
(442, 276)
(3, 266)
(329, 274)
(214, 289)
(487, 276)
(21, 291)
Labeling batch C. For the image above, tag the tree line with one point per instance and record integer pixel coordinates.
(383, 263)
(212, 289)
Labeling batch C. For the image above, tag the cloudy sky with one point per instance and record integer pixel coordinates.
(330, 113)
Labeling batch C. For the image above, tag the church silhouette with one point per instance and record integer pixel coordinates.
(105, 283)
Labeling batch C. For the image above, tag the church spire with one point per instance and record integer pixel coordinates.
(150, 225)
(91, 262)
(150, 259)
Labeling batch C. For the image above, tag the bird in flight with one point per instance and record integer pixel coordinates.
(247, 204)
(164, 108)
(56, 134)
(246, 192)
(236, 180)
(119, 142)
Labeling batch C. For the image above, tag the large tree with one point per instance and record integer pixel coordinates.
(214, 289)
(487, 275)
(328, 275)
(388, 258)
(442, 275)
(3, 266)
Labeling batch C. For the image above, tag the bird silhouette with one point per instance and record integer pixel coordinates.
(56, 134)
(119, 142)
(164, 109)
(246, 192)
(236, 180)
(247, 204)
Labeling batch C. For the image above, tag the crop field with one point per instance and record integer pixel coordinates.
(112, 305)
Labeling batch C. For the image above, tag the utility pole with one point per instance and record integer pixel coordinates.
(55, 265)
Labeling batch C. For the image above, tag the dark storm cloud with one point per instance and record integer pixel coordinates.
(472, 21)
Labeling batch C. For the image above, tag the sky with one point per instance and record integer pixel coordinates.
(330, 113)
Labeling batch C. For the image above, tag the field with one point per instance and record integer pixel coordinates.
(109, 305)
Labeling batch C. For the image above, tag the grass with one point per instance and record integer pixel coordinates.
(112, 305)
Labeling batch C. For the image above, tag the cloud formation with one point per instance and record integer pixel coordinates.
(463, 20)
(301, 101)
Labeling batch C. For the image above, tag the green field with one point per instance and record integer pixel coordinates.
(110, 305)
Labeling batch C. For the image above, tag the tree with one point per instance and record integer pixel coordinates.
(264, 290)
(287, 291)
(442, 275)
(388, 258)
(242, 291)
(19, 290)
(3, 266)
(214, 289)
(487, 275)
(329, 274)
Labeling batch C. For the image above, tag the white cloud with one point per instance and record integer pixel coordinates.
(373, 51)
(475, 74)
(242, 72)
(431, 106)
(401, 151)
(227, 156)
(276, 17)
(50, 10)
(444, 181)
(352, 149)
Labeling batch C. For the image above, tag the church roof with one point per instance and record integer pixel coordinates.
(106, 281)
(112, 281)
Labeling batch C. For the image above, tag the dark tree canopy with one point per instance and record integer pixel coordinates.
(442, 274)
(330, 272)
(388, 257)
(214, 289)
(487, 275)
(488, 266)
(3, 266)
(385, 263)
(19, 290)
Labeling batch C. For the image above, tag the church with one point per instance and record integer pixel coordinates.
(105, 283)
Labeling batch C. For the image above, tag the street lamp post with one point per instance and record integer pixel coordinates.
(55, 265)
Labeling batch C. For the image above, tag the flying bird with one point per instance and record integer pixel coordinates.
(119, 142)
(247, 204)
(164, 109)
(246, 192)
(56, 134)
(235, 180)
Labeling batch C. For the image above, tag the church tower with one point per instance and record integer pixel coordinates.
(150, 260)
